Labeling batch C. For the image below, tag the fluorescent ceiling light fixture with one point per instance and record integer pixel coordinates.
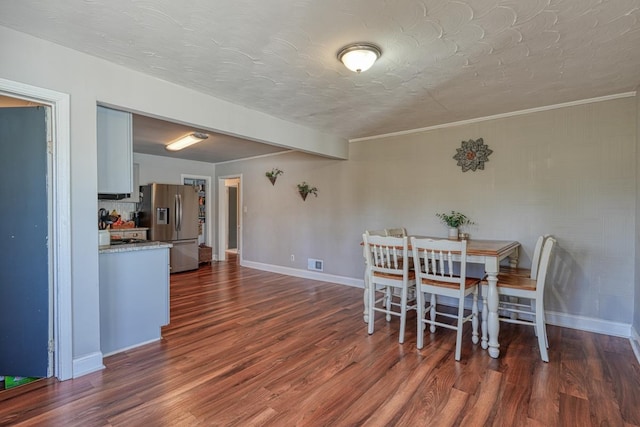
(186, 141)
(359, 57)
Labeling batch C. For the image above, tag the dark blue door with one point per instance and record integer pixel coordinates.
(24, 277)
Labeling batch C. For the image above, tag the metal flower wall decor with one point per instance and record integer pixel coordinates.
(472, 155)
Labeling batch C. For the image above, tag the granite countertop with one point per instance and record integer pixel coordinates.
(119, 230)
(130, 247)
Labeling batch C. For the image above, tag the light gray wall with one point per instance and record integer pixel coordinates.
(570, 172)
(636, 315)
(89, 80)
(165, 170)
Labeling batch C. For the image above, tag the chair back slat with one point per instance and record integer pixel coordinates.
(386, 254)
(545, 260)
(440, 256)
(537, 252)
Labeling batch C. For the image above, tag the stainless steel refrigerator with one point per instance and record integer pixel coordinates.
(171, 213)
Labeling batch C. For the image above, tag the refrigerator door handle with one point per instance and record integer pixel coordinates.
(180, 203)
(176, 206)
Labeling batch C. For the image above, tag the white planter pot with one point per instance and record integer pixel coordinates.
(453, 233)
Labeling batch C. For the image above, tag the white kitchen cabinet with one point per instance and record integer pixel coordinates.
(134, 297)
(135, 193)
(115, 151)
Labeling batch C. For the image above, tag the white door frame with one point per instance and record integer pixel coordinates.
(223, 213)
(59, 193)
(208, 238)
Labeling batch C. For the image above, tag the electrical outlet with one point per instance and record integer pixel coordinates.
(293, 257)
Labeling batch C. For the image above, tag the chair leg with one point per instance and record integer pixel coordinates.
(540, 328)
(459, 329)
(420, 317)
(388, 297)
(433, 313)
(372, 302)
(544, 327)
(403, 313)
(474, 318)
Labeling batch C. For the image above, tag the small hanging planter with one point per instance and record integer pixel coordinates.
(305, 189)
(273, 175)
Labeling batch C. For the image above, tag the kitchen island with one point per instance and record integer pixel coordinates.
(134, 294)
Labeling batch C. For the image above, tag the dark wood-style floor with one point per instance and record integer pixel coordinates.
(247, 347)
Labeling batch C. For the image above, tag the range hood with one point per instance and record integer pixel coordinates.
(111, 196)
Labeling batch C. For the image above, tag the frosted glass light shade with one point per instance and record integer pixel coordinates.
(186, 141)
(359, 57)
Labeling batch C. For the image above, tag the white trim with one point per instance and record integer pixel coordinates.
(589, 324)
(500, 116)
(87, 364)
(61, 196)
(305, 274)
(635, 343)
(209, 223)
(120, 350)
(255, 157)
(222, 217)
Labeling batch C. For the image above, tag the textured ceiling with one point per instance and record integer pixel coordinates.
(443, 60)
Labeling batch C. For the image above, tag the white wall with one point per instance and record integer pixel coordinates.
(89, 81)
(165, 170)
(636, 316)
(570, 172)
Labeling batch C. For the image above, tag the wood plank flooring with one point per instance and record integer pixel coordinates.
(249, 348)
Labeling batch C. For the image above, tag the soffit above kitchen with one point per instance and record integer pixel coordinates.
(442, 60)
(151, 135)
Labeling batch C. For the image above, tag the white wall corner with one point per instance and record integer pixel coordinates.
(635, 343)
(86, 364)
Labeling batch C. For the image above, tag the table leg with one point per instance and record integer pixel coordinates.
(493, 324)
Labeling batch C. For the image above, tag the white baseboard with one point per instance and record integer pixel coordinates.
(120, 350)
(589, 324)
(305, 274)
(87, 364)
(635, 343)
(582, 323)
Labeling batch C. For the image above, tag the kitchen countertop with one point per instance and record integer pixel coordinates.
(129, 247)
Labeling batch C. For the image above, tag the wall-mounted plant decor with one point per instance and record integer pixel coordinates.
(273, 175)
(305, 189)
(472, 154)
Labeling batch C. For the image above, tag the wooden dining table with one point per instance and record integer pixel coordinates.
(489, 253)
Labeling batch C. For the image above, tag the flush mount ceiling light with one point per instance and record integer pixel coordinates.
(359, 57)
(186, 141)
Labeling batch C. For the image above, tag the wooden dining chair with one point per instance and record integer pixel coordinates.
(523, 287)
(387, 271)
(437, 276)
(532, 272)
(396, 232)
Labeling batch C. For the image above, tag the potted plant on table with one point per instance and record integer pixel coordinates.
(305, 189)
(454, 220)
(273, 175)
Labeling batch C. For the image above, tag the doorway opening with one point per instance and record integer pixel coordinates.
(230, 218)
(59, 212)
